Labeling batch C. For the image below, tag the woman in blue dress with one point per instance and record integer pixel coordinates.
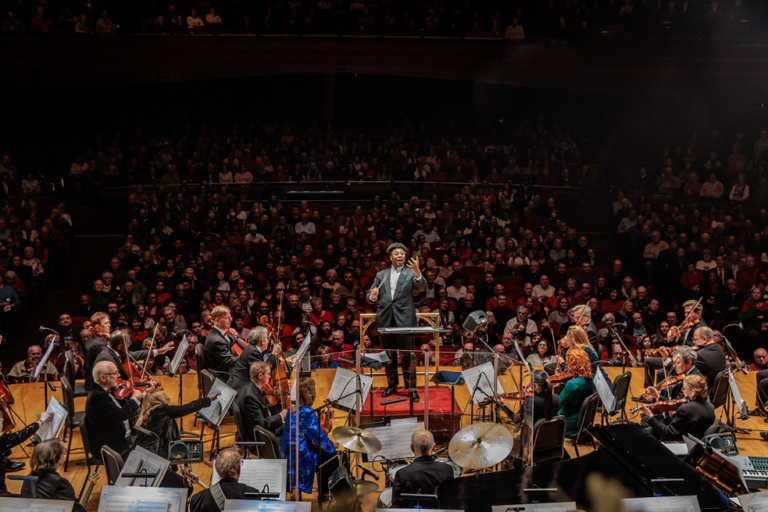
(576, 389)
(311, 438)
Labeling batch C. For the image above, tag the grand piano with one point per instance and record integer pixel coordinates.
(626, 453)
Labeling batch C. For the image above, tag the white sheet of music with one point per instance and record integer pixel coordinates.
(481, 376)
(34, 505)
(181, 351)
(396, 439)
(259, 473)
(344, 385)
(604, 390)
(219, 407)
(268, 506)
(52, 429)
(142, 499)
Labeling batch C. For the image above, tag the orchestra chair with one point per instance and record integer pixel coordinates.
(89, 461)
(620, 392)
(200, 354)
(69, 371)
(549, 439)
(270, 449)
(239, 424)
(74, 419)
(586, 419)
(718, 395)
(113, 463)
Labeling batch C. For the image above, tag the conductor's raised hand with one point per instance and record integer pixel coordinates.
(374, 293)
(413, 264)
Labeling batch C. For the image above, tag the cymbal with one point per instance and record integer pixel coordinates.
(480, 445)
(356, 439)
(365, 487)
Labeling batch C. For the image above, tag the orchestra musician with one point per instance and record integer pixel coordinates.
(582, 317)
(45, 462)
(11, 439)
(253, 406)
(423, 475)
(108, 419)
(157, 415)
(227, 465)
(257, 350)
(576, 389)
(218, 350)
(676, 336)
(393, 288)
(117, 351)
(710, 357)
(684, 360)
(22, 371)
(100, 328)
(693, 417)
(577, 337)
(545, 403)
(311, 440)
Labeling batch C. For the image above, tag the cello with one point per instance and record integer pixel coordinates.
(125, 388)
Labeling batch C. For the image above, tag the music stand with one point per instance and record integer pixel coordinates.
(181, 351)
(451, 379)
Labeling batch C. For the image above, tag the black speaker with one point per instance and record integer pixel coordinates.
(340, 485)
(185, 451)
(476, 320)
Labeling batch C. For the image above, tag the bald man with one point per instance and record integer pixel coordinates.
(22, 371)
(423, 475)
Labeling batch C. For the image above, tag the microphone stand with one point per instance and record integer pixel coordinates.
(740, 366)
(624, 349)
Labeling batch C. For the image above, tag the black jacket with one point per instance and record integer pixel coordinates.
(709, 361)
(232, 489)
(241, 372)
(218, 352)
(51, 486)
(422, 476)
(107, 354)
(693, 418)
(105, 420)
(8, 441)
(93, 348)
(398, 311)
(161, 422)
(255, 412)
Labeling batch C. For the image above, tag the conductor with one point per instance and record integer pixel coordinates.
(393, 288)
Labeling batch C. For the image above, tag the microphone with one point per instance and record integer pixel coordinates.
(394, 401)
(43, 328)
(368, 472)
(51, 386)
(345, 360)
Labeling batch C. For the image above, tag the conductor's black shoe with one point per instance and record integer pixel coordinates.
(387, 392)
(12, 467)
(414, 397)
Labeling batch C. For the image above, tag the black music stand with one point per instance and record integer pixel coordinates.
(451, 379)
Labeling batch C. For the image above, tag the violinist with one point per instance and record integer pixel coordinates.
(684, 361)
(576, 389)
(108, 419)
(218, 349)
(257, 350)
(100, 326)
(693, 417)
(710, 357)
(22, 371)
(117, 353)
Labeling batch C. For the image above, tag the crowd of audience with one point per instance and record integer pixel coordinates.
(452, 18)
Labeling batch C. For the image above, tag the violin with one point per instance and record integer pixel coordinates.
(662, 406)
(236, 343)
(125, 388)
(560, 378)
(94, 328)
(518, 397)
(674, 331)
(326, 418)
(670, 381)
(656, 352)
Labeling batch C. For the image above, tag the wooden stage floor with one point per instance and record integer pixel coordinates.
(30, 401)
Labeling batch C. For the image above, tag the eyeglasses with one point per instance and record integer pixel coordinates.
(113, 373)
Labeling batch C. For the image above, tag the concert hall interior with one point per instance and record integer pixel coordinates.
(325, 254)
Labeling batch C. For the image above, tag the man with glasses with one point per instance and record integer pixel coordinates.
(761, 361)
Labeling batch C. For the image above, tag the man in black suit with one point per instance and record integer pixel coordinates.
(423, 475)
(107, 419)
(218, 351)
(693, 418)
(257, 350)
(115, 352)
(228, 467)
(684, 363)
(393, 288)
(253, 407)
(710, 358)
(101, 325)
(582, 316)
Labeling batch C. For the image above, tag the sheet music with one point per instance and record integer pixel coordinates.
(754, 502)
(381, 357)
(44, 360)
(481, 376)
(260, 473)
(35, 505)
(268, 506)
(143, 461)
(300, 355)
(605, 391)
(661, 504)
(142, 499)
(52, 429)
(344, 385)
(538, 507)
(181, 350)
(219, 407)
(396, 440)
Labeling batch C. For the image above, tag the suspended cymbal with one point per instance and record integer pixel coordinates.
(480, 445)
(356, 439)
(365, 487)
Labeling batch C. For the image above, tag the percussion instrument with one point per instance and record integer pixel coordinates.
(385, 498)
(356, 439)
(364, 487)
(480, 446)
(394, 468)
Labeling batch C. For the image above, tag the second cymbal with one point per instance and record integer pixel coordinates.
(356, 439)
(480, 445)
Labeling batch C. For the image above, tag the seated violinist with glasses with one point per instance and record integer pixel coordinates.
(684, 359)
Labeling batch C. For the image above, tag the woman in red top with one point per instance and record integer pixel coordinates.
(318, 315)
(613, 303)
(691, 279)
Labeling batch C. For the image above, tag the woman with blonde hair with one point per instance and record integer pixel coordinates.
(576, 389)
(157, 415)
(693, 417)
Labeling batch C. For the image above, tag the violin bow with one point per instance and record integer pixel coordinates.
(149, 353)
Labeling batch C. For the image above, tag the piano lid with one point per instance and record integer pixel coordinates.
(627, 454)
